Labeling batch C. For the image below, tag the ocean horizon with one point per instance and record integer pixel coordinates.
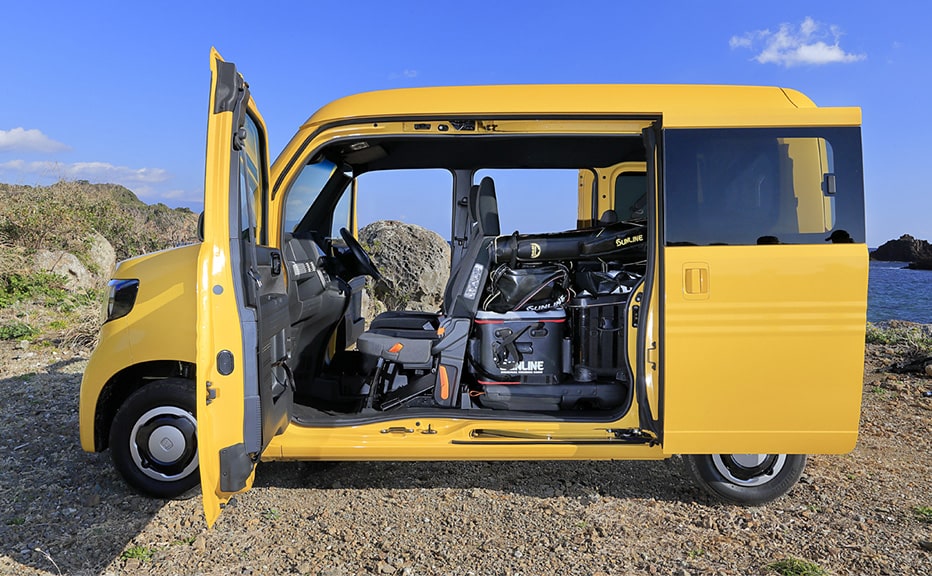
(896, 293)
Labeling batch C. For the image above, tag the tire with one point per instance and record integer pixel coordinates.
(153, 439)
(746, 479)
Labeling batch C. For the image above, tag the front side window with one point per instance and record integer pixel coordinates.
(252, 184)
(762, 186)
(305, 190)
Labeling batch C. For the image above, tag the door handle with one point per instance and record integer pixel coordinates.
(255, 277)
(276, 264)
(696, 280)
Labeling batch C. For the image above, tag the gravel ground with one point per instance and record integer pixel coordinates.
(65, 511)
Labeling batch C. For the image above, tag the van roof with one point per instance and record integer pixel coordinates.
(680, 105)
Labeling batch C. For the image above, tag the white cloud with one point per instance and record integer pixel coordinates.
(812, 43)
(22, 140)
(92, 171)
(180, 195)
(406, 73)
(740, 41)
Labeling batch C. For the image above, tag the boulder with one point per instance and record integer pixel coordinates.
(77, 276)
(904, 249)
(414, 261)
(101, 255)
(371, 307)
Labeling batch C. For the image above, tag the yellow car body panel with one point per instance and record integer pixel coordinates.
(682, 106)
(163, 326)
(458, 439)
(761, 363)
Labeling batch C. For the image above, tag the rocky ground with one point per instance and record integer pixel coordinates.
(64, 511)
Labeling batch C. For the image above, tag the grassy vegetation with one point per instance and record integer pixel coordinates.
(42, 288)
(141, 553)
(796, 567)
(923, 514)
(64, 216)
(914, 337)
(17, 330)
(35, 302)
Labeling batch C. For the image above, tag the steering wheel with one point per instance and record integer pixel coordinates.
(363, 261)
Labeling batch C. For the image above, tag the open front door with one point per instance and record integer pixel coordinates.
(244, 391)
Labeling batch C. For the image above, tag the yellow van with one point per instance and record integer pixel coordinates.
(710, 300)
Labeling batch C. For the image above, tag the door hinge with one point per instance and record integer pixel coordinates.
(211, 392)
(651, 361)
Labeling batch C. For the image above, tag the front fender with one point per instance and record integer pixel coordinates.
(161, 327)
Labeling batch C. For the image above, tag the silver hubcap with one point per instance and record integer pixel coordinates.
(166, 444)
(163, 443)
(749, 469)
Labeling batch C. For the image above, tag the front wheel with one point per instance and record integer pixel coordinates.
(746, 479)
(153, 439)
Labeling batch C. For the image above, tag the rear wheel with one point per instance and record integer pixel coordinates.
(746, 479)
(153, 439)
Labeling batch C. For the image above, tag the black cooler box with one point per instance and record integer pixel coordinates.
(520, 347)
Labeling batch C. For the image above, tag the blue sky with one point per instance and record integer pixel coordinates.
(117, 91)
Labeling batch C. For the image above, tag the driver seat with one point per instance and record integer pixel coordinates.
(412, 341)
(482, 206)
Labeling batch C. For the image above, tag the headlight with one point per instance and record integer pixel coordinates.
(121, 299)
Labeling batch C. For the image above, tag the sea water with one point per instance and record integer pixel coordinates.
(897, 293)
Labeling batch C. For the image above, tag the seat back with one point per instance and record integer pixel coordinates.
(484, 223)
(466, 282)
(486, 208)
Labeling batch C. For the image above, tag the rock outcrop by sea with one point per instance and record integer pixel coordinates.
(904, 249)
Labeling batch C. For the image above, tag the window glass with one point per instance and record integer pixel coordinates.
(762, 186)
(533, 201)
(423, 197)
(631, 196)
(342, 214)
(252, 185)
(304, 191)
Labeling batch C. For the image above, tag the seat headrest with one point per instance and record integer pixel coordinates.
(608, 217)
(486, 208)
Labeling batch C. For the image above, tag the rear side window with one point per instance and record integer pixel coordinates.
(631, 195)
(762, 186)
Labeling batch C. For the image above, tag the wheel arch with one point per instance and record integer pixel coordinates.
(127, 381)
